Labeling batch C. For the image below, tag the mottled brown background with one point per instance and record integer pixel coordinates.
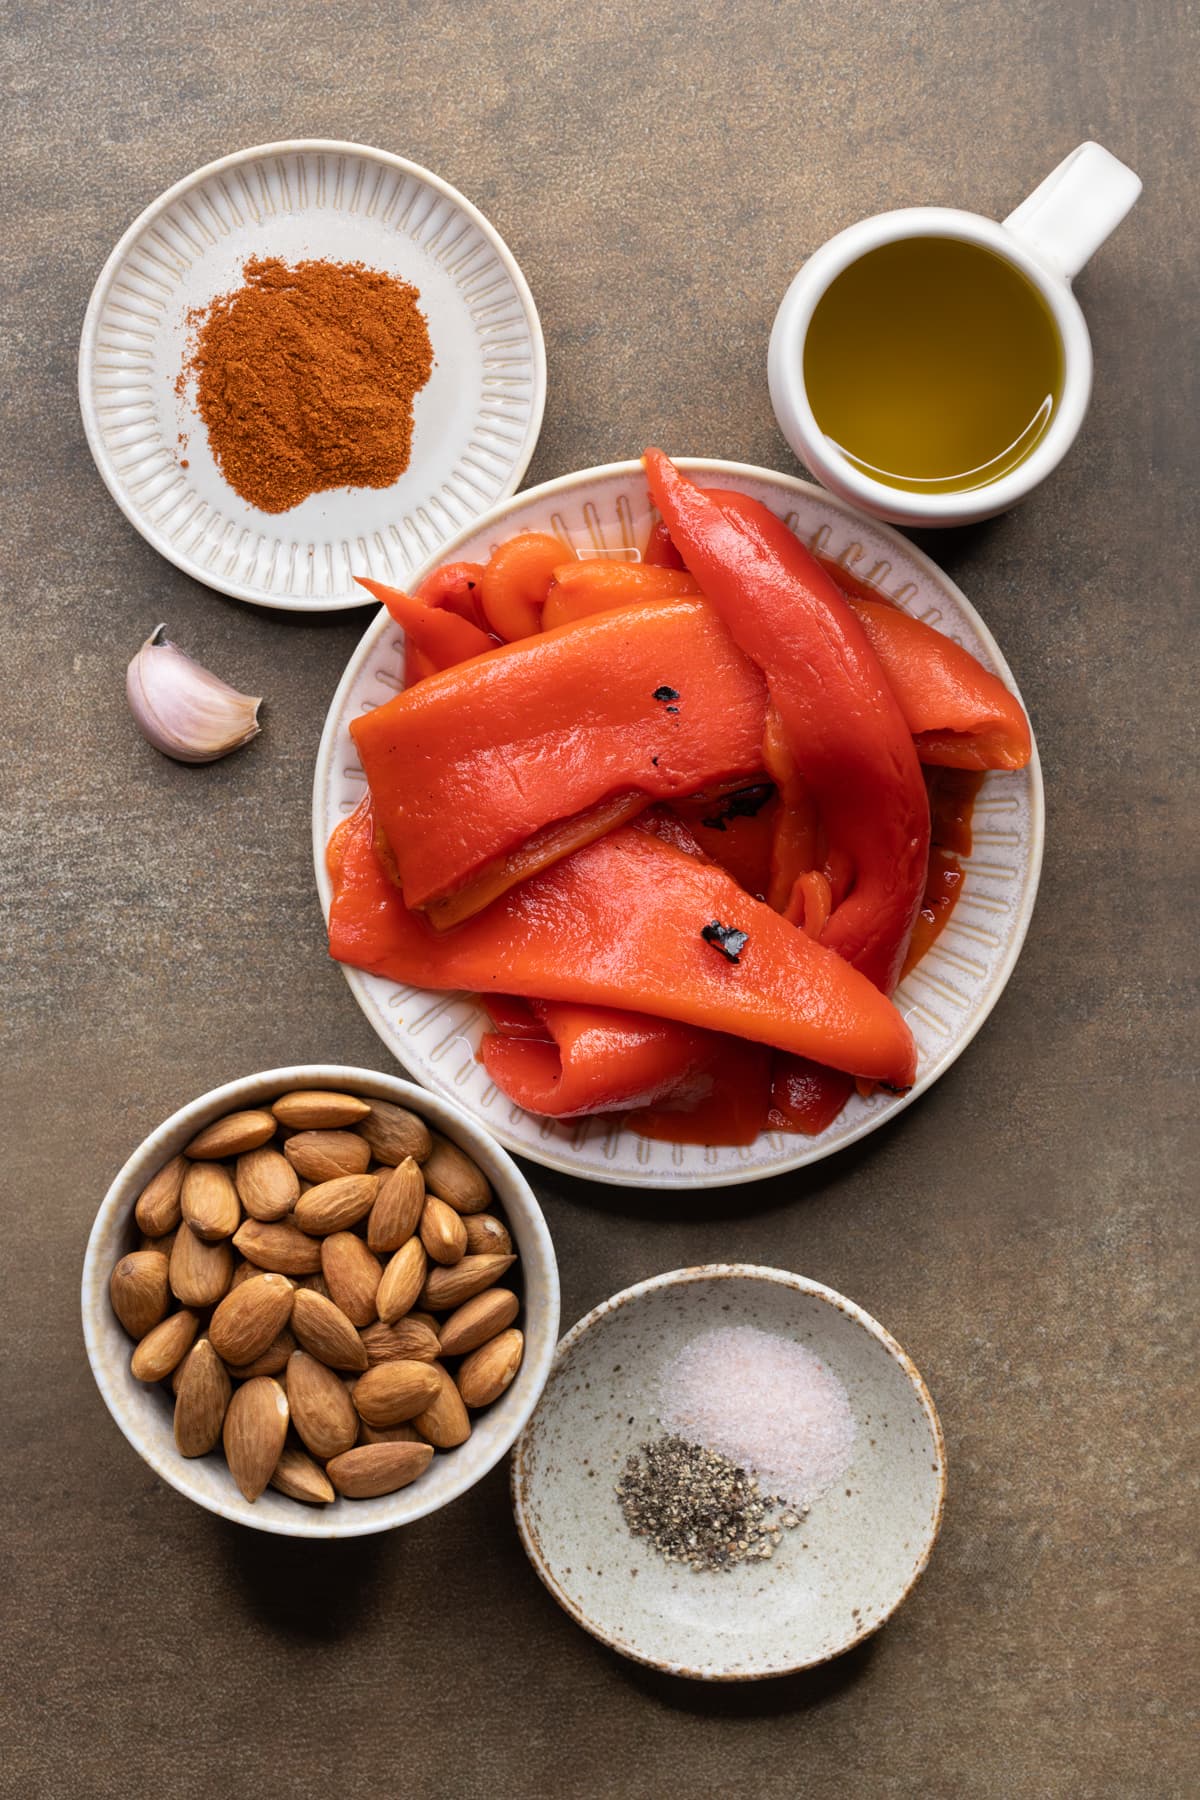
(1026, 1230)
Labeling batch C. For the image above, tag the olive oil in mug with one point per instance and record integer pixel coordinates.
(933, 364)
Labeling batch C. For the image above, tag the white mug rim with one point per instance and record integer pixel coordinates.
(790, 394)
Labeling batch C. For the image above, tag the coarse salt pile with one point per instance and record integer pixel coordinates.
(765, 1402)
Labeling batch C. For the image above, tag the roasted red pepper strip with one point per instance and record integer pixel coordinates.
(619, 924)
(440, 636)
(458, 588)
(598, 1060)
(733, 1113)
(597, 585)
(842, 724)
(654, 701)
(806, 1097)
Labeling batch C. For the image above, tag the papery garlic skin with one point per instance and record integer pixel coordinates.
(182, 709)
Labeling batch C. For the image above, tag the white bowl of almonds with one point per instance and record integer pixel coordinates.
(320, 1301)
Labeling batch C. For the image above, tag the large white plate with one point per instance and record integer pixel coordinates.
(475, 422)
(945, 999)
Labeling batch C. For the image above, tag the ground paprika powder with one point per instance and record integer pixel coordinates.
(305, 378)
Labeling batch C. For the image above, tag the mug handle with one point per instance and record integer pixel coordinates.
(1071, 213)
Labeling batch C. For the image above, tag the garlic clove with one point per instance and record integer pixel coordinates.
(182, 709)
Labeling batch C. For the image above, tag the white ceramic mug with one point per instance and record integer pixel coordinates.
(1048, 238)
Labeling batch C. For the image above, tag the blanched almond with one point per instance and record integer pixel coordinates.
(444, 1422)
(271, 1361)
(300, 1478)
(336, 1205)
(402, 1281)
(232, 1135)
(279, 1247)
(398, 1206)
(324, 1155)
(137, 1288)
(164, 1348)
(251, 1317)
(322, 1410)
(374, 1469)
(392, 1392)
(210, 1201)
(445, 1289)
(256, 1422)
(319, 1109)
(477, 1320)
(486, 1234)
(201, 1400)
(200, 1272)
(267, 1184)
(408, 1340)
(484, 1375)
(157, 1209)
(352, 1275)
(442, 1232)
(326, 1333)
(453, 1177)
(394, 1133)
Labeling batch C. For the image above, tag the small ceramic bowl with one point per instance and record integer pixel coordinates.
(833, 1580)
(144, 1413)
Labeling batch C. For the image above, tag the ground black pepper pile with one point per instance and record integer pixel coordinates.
(697, 1507)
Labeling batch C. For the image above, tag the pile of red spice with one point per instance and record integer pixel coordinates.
(305, 378)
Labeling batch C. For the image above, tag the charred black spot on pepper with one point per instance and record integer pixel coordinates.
(725, 938)
(666, 693)
(744, 803)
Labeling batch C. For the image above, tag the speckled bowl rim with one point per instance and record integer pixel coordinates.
(801, 1284)
(100, 1326)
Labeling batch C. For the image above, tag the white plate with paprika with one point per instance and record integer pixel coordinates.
(474, 420)
(945, 998)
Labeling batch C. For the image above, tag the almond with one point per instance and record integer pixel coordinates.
(478, 1320)
(300, 1478)
(408, 1340)
(351, 1274)
(453, 1177)
(484, 1375)
(392, 1392)
(389, 1434)
(486, 1233)
(267, 1184)
(251, 1317)
(270, 1361)
(200, 1400)
(394, 1133)
(322, 1410)
(324, 1155)
(244, 1271)
(256, 1422)
(200, 1272)
(442, 1232)
(422, 1318)
(402, 1281)
(279, 1247)
(374, 1469)
(157, 1209)
(318, 1109)
(138, 1290)
(164, 1348)
(210, 1201)
(398, 1207)
(314, 1283)
(326, 1333)
(165, 1245)
(232, 1135)
(444, 1422)
(445, 1289)
(177, 1373)
(336, 1205)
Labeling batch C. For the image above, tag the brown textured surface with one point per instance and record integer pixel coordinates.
(1026, 1230)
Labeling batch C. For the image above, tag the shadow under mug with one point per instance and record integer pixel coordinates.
(1048, 238)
